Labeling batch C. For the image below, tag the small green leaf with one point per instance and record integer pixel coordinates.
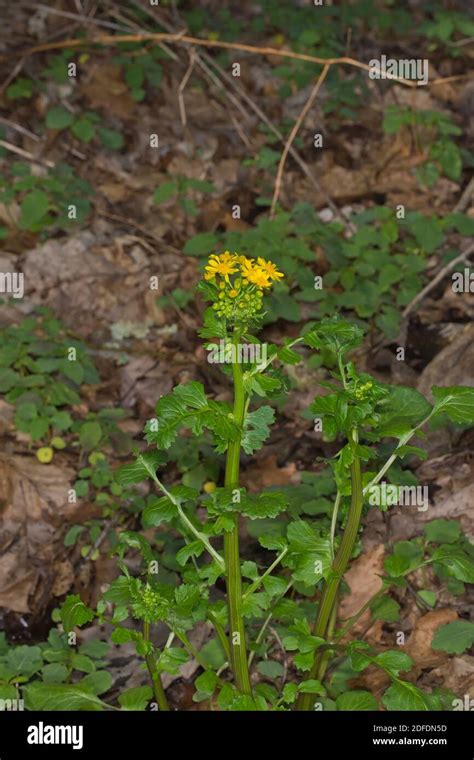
(165, 191)
(75, 613)
(59, 118)
(442, 531)
(270, 668)
(201, 244)
(34, 208)
(90, 435)
(386, 609)
(257, 429)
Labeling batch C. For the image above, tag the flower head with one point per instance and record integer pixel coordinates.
(223, 264)
(270, 268)
(237, 283)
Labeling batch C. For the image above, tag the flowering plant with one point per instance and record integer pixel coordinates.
(280, 621)
(236, 285)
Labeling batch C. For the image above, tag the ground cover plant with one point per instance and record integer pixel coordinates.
(306, 556)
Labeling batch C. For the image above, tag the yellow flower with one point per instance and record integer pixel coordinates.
(259, 278)
(270, 269)
(223, 265)
(233, 293)
(246, 266)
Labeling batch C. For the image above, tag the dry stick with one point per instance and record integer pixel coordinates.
(432, 284)
(25, 154)
(465, 198)
(111, 39)
(292, 136)
(16, 70)
(182, 86)
(19, 128)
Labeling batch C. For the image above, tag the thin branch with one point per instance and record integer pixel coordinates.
(25, 154)
(114, 39)
(182, 86)
(465, 198)
(440, 276)
(309, 103)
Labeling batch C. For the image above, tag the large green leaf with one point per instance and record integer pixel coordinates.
(402, 695)
(442, 531)
(458, 564)
(456, 401)
(188, 406)
(401, 411)
(25, 660)
(144, 467)
(336, 334)
(454, 638)
(268, 504)
(48, 697)
(394, 661)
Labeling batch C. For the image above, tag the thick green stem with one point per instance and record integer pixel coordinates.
(339, 566)
(158, 689)
(238, 647)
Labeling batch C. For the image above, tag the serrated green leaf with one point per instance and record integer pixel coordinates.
(401, 411)
(256, 428)
(456, 401)
(75, 613)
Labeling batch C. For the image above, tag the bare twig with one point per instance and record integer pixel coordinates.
(432, 284)
(465, 198)
(182, 86)
(180, 37)
(19, 128)
(25, 154)
(292, 135)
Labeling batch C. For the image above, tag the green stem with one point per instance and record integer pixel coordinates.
(339, 566)
(353, 620)
(220, 634)
(325, 658)
(187, 522)
(267, 620)
(256, 584)
(238, 649)
(158, 689)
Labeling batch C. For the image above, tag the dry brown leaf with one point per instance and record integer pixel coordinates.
(364, 581)
(266, 473)
(418, 646)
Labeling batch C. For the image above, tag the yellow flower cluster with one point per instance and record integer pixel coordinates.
(239, 298)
